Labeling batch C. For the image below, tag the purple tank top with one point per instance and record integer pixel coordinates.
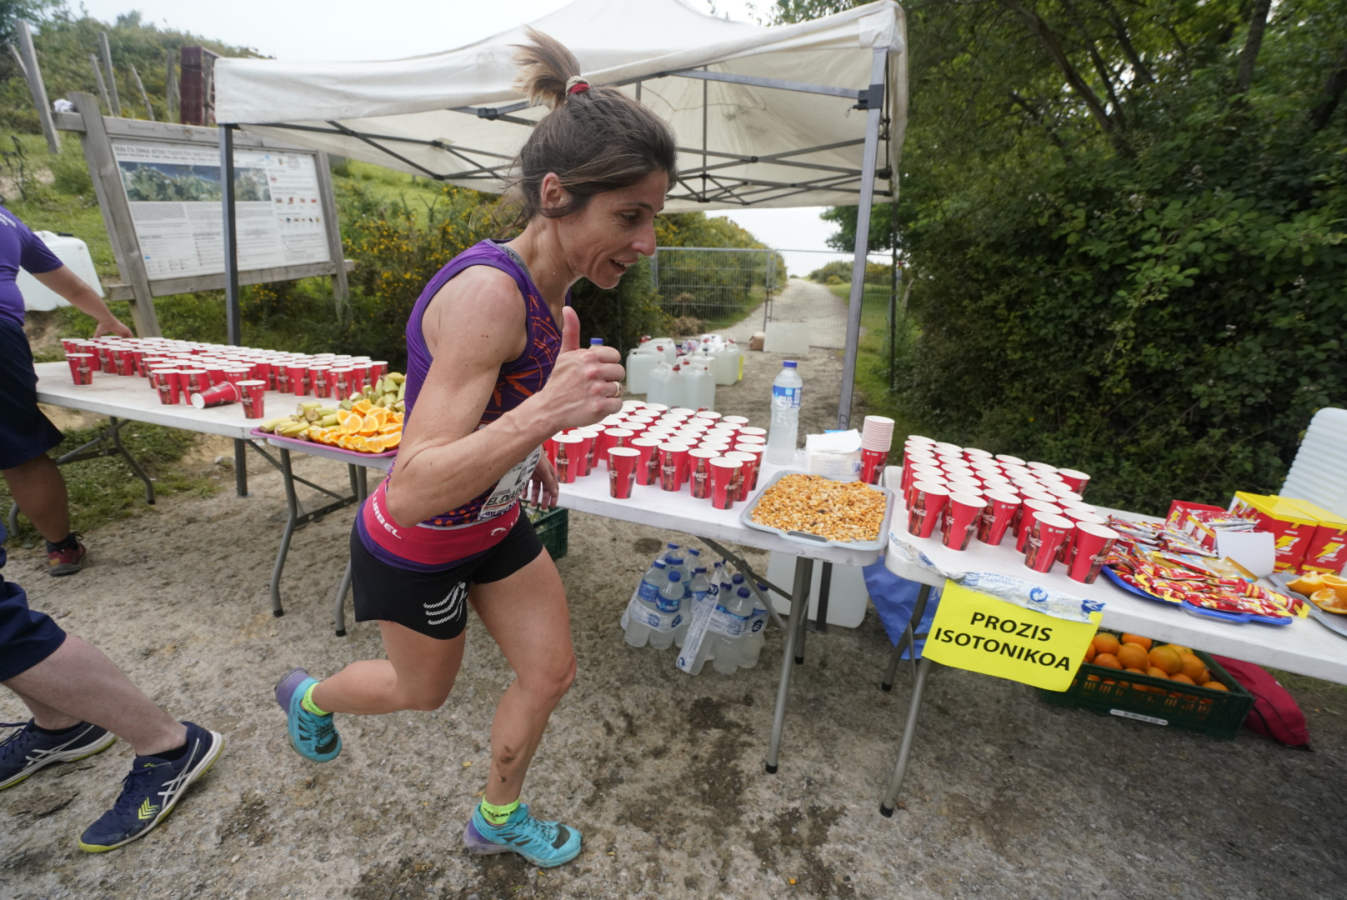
(519, 378)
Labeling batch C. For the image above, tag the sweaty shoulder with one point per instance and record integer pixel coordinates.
(479, 311)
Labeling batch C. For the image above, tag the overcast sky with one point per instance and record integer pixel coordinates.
(388, 29)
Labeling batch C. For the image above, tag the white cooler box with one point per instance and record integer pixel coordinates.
(74, 253)
(846, 601)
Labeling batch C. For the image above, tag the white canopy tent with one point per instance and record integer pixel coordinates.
(783, 116)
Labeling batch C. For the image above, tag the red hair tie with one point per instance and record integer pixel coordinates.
(576, 85)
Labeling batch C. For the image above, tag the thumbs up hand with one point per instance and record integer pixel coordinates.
(585, 385)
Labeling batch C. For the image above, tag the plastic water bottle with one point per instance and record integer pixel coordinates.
(699, 640)
(732, 617)
(642, 616)
(699, 585)
(781, 435)
(672, 609)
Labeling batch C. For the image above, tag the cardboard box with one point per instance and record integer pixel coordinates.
(1292, 527)
(1327, 548)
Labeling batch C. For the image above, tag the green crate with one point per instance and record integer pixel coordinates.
(1159, 701)
(551, 526)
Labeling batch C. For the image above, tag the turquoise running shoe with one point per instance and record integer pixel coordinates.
(313, 737)
(542, 843)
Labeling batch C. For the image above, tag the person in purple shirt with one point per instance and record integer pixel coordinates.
(494, 368)
(35, 482)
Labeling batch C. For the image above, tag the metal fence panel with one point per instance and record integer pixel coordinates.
(716, 285)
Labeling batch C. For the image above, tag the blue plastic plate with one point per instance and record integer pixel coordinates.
(1194, 609)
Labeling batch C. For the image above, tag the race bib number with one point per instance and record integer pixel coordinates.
(510, 486)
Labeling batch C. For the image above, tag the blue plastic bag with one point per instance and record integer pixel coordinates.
(895, 599)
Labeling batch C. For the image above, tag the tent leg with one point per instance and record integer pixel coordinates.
(862, 241)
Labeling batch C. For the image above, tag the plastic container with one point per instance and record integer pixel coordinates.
(640, 360)
(75, 254)
(1159, 701)
(783, 432)
(659, 384)
(551, 525)
(699, 384)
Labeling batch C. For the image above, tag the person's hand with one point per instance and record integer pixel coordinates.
(543, 488)
(585, 385)
(112, 325)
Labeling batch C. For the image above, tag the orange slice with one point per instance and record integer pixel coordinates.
(369, 425)
(349, 421)
(362, 406)
(384, 442)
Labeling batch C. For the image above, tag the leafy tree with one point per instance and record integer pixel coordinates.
(1126, 233)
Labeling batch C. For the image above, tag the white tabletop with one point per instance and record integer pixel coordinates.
(1304, 646)
(680, 511)
(131, 397)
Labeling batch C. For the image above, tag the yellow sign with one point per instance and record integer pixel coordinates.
(991, 636)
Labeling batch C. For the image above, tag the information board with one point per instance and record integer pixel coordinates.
(174, 194)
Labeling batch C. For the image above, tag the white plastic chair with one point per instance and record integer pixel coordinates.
(1319, 471)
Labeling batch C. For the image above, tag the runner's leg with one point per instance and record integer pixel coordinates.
(38, 487)
(526, 614)
(418, 674)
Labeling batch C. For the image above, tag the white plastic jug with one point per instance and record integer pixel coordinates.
(725, 364)
(640, 362)
(660, 378)
(666, 348)
(700, 384)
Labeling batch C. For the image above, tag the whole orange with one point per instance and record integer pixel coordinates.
(1167, 658)
(1193, 667)
(1107, 660)
(1132, 656)
(1143, 642)
(1106, 643)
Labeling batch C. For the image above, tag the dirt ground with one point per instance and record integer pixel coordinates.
(663, 773)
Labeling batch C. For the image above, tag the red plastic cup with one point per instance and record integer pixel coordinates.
(107, 359)
(1043, 539)
(963, 511)
(571, 455)
(320, 381)
(72, 345)
(726, 475)
(699, 471)
(751, 473)
(1029, 510)
(377, 369)
(343, 377)
(872, 465)
(194, 381)
(923, 512)
(997, 516)
(673, 461)
(550, 449)
(737, 421)
(747, 431)
(82, 367)
(748, 471)
(236, 374)
(299, 378)
(622, 463)
(1093, 543)
(214, 369)
(909, 495)
(584, 453)
(610, 438)
(1077, 517)
(647, 461)
(216, 395)
(169, 386)
(1075, 479)
(124, 360)
(254, 393)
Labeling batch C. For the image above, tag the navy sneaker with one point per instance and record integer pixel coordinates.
(313, 737)
(28, 749)
(542, 843)
(151, 791)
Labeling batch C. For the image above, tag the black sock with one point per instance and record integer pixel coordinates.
(69, 542)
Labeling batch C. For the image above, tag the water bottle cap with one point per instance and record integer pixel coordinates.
(675, 575)
(659, 563)
(699, 569)
(672, 546)
(595, 342)
(744, 592)
(789, 364)
(738, 579)
(694, 551)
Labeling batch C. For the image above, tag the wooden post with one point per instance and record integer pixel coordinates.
(341, 290)
(197, 66)
(33, 73)
(171, 98)
(149, 110)
(116, 209)
(102, 85)
(116, 106)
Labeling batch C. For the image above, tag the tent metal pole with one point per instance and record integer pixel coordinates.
(231, 263)
(862, 237)
(231, 246)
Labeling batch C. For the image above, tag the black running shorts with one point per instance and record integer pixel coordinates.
(434, 603)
